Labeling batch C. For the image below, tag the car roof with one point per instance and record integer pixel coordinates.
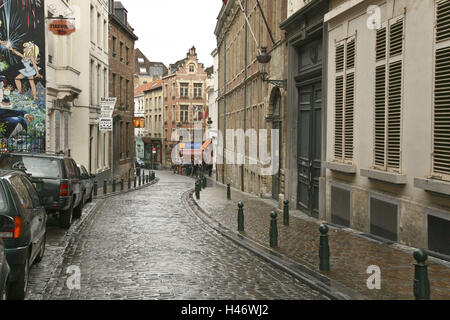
(38, 155)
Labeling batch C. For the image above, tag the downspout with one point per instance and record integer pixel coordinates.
(224, 133)
(245, 97)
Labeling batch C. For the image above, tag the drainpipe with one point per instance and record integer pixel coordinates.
(245, 97)
(224, 133)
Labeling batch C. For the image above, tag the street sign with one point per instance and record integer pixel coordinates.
(105, 124)
(107, 105)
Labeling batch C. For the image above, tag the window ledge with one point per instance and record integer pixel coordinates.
(341, 167)
(433, 185)
(394, 178)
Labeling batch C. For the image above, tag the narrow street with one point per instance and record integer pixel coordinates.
(146, 245)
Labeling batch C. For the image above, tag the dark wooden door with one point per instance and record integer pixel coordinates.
(309, 147)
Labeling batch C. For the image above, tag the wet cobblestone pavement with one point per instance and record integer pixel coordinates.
(146, 245)
(351, 252)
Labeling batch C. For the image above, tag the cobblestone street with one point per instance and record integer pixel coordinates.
(146, 245)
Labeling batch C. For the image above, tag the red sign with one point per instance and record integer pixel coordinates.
(62, 27)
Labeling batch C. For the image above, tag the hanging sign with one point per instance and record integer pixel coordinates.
(107, 107)
(105, 124)
(62, 27)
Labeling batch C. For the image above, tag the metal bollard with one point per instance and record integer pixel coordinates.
(240, 216)
(114, 186)
(197, 190)
(286, 213)
(324, 249)
(105, 187)
(95, 188)
(421, 282)
(129, 182)
(273, 229)
(121, 185)
(205, 182)
(140, 181)
(135, 182)
(229, 191)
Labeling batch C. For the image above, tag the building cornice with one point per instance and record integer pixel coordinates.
(125, 28)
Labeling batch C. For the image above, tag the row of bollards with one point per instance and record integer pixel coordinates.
(421, 281)
(139, 181)
(200, 184)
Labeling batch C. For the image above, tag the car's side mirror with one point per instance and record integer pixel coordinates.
(6, 224)
(84, 176)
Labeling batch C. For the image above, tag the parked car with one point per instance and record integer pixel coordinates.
(25, 239)
(57, 180)
(139, 163)
(87, 182)
(6, 224)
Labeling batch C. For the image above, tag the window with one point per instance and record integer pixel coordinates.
(21, 191)
(166, 91)
(198, 90)
(127, 86)
(441, 126)
(143, 70)
(121, 51)
(192, 67)
(128, 55)
(141, 60)
(174, 89)
(184, 90)
(173, 113)
(184, 113)
(198, 113)
(388, 96)
(114, 46)
(57, 131)
(344, 102)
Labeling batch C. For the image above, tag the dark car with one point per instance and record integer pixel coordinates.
(139, 163)
(25, 241)
(87, 182)
(6, 224)
(57, 180)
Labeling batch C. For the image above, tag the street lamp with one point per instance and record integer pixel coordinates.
(264, 59)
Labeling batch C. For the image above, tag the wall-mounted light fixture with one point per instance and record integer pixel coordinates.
(264, 59)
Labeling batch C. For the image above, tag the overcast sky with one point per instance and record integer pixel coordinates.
(168, 28)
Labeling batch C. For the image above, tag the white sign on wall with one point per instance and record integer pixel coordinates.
(105, 124)
(107, 105)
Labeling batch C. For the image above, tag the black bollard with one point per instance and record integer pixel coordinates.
(421, 282)
(229, 191)
(105, 187)
(95, 188)
(286, 213)
(197, 190)
(273, 229)
(114, 186)
(129, 183)
(240, 216)
(205, 182)
(324, 249)
(135, 182)
(140, 181)
(121, 185)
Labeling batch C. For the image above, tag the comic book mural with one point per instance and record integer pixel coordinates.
(22, 75)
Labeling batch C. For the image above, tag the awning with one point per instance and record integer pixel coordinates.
(206, 144)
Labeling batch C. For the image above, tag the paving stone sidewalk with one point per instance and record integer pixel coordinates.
(351, 253)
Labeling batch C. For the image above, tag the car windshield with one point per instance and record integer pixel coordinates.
(37, 167)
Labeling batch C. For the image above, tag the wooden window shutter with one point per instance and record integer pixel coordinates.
(339, 118)
(381, 44)
(441, 117)
(380, 115)
(396, 39)
(340, 50)
(350, 59)
(349, 114)
(394, 115)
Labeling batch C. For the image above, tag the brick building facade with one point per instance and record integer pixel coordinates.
(121, 86)
(245, 100)
(184, 92)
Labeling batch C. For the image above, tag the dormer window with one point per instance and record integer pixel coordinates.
(192, 67)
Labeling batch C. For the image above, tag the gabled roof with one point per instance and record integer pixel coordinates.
(148, 87)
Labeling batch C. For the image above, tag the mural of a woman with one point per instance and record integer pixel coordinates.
(30, 59)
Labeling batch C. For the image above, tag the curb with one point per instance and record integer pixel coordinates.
(316, 280)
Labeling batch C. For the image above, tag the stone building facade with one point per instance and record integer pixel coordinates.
(87, 69)
(184, 92)
(147, 71)
(245, 101)
(154, 122)
(121, 86)
(388, 124)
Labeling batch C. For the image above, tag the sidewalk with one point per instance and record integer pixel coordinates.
(351, 254)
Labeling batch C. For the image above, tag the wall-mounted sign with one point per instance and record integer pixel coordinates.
(62, 27)
(107, 105)
(105, 124)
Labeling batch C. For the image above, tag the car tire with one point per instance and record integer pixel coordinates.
(41, 253)
(78, 211)
(65, 218)
(18, 289)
